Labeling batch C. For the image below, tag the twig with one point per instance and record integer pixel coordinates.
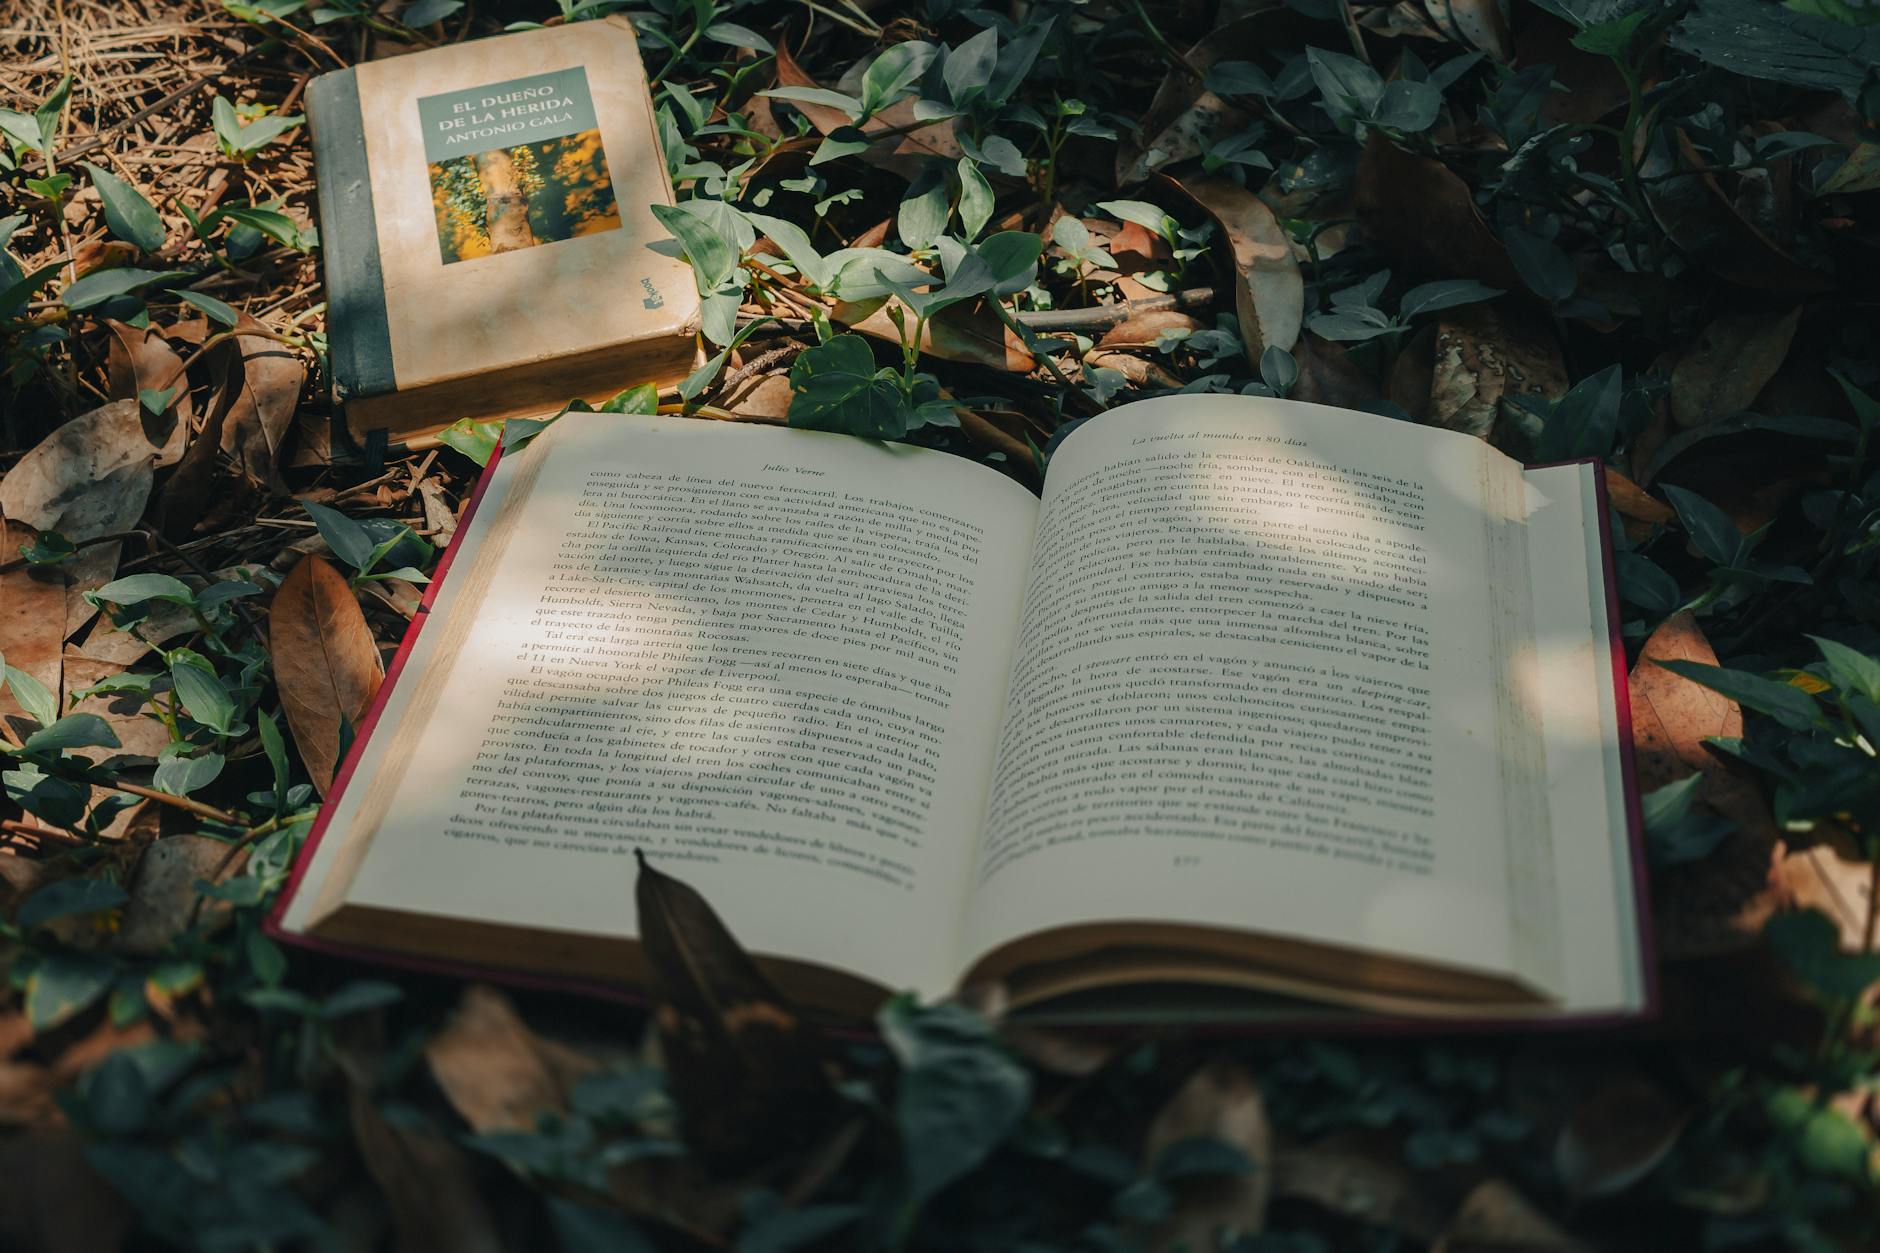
(1097, 317)
(760, 363)
(97, 141)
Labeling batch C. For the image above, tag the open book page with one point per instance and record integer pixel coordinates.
(1598, 911)
(1262, 683)
(771, 659)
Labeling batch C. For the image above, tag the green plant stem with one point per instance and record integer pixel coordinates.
(1162, 45)
(1026, 338)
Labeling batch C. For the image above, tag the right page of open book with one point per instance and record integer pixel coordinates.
(1263, 681)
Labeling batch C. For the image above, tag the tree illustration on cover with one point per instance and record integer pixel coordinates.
(509, 198)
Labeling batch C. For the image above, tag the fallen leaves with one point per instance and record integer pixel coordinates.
(1733, 359)
(1215, 1200)
(1421, 213)
(1720, 902)
(1269, 291)
(326, 663)
(495, 1071)
(1617, 1136)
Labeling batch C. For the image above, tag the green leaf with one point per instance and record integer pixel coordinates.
(205, 697)
(1547, 270)
(1444, 294)
(360, 995)
(736, 36)
(1768, 41)
(796, 245)
(475, 440)
(135, 589)
(14, 297)
(155, 401)
(1709, 527)
(1675, 835)
(968, 68)
(47, 548)
(428, 12)
(976, 198)
(711, 255)
(1348, 85)
(1809, 943)
(66, 898)
(589, 1229)
(274, 224)
(101, 285)
(1584, 422)
(47, 115)
(1790, 706)
(1142, 213)
(180, 775)
(959, 1094)
(836, 387)
(641, 399)
(1011, 256)
(131, 218)
(275, 747)
(889, 75)
(72, 731)
(924, 210)
(64, 985)
(216, 310)
(1610, 38)
(350, 541)
(1851, 669)
(32, 696)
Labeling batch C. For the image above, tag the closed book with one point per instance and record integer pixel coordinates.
(490, 249)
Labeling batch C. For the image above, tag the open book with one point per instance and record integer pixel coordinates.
(1266, 710)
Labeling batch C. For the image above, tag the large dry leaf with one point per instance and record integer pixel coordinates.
(1729, 365)
(1704, 223)
(1269, 291)
(1422, 215)
(1221, 1101)
(1494, 1218)
(140, 359)
(493, 1068)
(1617, 1136)
(746, 1070)
(970, 333)
(1834, 878)
(1185, 119)
(90, 477)
(163, 897)
(263, 406)
(1720, 902)
(1361, 1181)
(140, 732)
(1482, 354)
(326, 664)
(1145, 330)
(32, 621)
(427, 1180)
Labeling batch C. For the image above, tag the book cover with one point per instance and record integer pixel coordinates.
(489, 241)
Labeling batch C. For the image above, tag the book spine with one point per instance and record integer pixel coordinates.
(359, 336)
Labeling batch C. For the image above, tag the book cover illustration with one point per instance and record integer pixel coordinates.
(516, 164)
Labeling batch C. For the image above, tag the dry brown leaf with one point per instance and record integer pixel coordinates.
(1617, 1136)
(1834, 878)
(492, 1067)
(1641, 510)
(140, 732)
(1483, 354)
(262, 409)
(970, 333)
(1221, 1101)
(326, 664)
(91, 477)
(1720, 902)
(1421, 213)
(1145, 330)
(1494, 1218)
(1329, 377)
(1361, 1181)
(26, 1090)
(1137, 370)
(427, 1180)
(163, 896)
(1729, 365)
(1269, 291)
(439, 518)
(762, 398)
(139, 359)
(32, 623)
(1693, 209)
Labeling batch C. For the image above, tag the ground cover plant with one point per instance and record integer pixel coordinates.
(1641, 232)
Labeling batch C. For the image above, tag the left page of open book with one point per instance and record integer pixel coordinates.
(773, 660)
